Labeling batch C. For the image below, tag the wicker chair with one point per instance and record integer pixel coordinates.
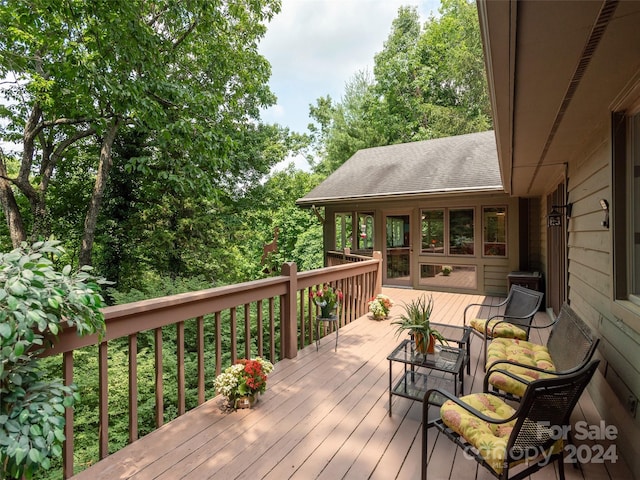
(500, 437)
(513, 364)
(520, 307)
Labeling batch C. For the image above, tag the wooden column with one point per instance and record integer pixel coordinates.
(289, 314)
(378, 288)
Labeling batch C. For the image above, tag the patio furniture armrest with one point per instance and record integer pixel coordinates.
(546, 325)
(492, 367)
(513, 376)
(518, 321)
(482, 305)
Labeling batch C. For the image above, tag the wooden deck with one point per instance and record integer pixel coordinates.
(324, 416)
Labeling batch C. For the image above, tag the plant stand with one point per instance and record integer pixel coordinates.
(333, 319)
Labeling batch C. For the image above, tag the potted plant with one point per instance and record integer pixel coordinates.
(446, 270)
(327, 298)
(36, 303)
(379, 306)
(241, 383)
(416, 321)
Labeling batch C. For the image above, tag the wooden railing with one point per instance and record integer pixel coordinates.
(343, 257)
(276, 319)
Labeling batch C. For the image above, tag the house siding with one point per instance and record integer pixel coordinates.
(591, 293)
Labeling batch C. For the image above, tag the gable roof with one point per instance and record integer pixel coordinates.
(444, 165)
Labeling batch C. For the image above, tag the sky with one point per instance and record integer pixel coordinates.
(316, 46)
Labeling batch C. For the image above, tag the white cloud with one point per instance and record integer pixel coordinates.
(316, 46)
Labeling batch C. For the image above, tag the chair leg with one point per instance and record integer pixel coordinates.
(561, 467)
(425, 429)
(337, 330)
(484, 364)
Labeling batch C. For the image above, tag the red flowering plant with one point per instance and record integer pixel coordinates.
(327, 298)
(245, 378)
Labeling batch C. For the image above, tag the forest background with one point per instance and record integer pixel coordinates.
(142, 150)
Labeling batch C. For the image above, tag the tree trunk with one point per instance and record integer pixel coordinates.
(10, 208)
(91, 218)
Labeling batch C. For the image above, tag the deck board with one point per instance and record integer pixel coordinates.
(325, 416)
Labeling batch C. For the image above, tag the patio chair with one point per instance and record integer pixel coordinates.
(500, 437)
(520, 307)
(512, 364)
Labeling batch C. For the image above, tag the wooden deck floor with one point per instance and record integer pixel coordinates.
(324, 416)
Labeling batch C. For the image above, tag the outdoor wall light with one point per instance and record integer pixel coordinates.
(605, 206)
(554, 219)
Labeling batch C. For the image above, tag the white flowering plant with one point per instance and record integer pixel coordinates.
(246, 377)
(380, 305)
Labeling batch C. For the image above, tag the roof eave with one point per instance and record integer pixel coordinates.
(308, 202)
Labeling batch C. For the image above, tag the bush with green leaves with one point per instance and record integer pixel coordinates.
(36, 302)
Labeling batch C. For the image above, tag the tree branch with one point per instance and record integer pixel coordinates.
(47, 170)
(186, 33)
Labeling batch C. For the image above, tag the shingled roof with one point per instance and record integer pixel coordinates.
(451, 164)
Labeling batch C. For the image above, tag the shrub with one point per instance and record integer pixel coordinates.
(36, 303)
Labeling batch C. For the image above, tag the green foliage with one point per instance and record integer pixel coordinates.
(185, 77)
(427, 83)
(37, 302)
(417, 319)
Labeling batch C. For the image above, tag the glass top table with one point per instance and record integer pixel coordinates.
(458, 334)
(443, 369)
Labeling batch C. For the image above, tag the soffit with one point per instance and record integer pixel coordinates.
(550, 39)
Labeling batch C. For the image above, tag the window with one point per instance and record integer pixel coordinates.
(461, 240)
(626, 206)
(433, 231)
(365, 235)
(454, 276)
(396, 231)
(494, 239)
(634, 201)
(344, 231)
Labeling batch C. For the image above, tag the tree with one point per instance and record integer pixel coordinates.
(427, 83)
(185, 75)
(273, 205)
(397, 100)
(347, 126)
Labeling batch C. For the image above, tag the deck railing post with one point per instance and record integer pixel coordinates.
(378, 287)
(289, 318)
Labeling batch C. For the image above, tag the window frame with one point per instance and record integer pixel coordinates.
(485, 230)
(370, 229)
(473, 230)
(444, 233)
(623, 200)
(345, 241)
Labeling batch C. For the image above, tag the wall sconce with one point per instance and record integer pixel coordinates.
(605, 206)
(554, 219)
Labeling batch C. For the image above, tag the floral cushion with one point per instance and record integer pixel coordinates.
(503, 330)
(519, 351)
(488, 438)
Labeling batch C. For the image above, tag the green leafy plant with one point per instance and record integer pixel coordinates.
(416, 319)
(36, 303)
